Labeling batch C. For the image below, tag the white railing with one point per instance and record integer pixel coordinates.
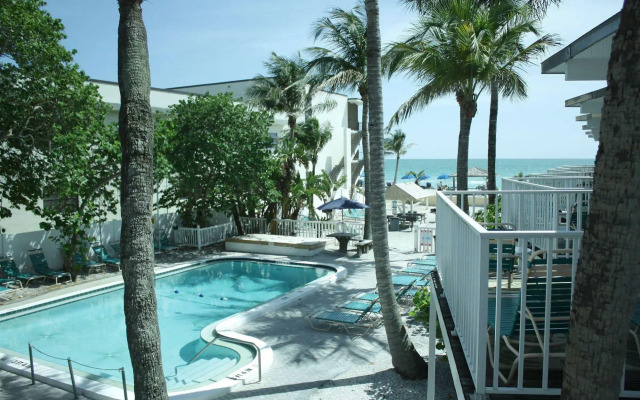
(529, 209)
(563, 182)
(310, 229)
(463, 267)
(199, 237)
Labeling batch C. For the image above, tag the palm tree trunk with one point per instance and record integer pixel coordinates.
(608, 278)
(395, 177)
(366, 157)
(136, 199)
(287, 178)
(405, 358)
(491, 148)
(468, 109)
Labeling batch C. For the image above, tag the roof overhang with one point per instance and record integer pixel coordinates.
(590, 111)
(587, 58)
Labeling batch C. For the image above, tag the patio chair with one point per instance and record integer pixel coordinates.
(89, 266)
(115, 246)
(510, 305)
(418, 269)
(41, 266)
(11, 270)
(103, 256)
(362, 301)
(355, 323)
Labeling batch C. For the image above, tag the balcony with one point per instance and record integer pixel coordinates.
(515, 281)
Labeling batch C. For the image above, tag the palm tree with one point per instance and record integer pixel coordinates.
(343, 65)
(136, 137)
(404, 357)
(447, 50)
(607, 280)
(513, 22)
(283, 91)
(394, 144)
(312, 138)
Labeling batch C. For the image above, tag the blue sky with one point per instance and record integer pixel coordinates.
(204, 41)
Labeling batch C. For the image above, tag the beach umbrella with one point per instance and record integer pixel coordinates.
(423, 177)
(341, 204)
(444, 176)
(409, 176)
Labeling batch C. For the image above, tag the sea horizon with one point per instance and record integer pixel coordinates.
(505, 168)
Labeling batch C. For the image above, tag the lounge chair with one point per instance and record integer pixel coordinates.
(103, 256)
(363, 300)
(510, 305)
(89, 266)
(418, 269)
(115, 246)
(355, 323)
(11, 270)
(41, 267)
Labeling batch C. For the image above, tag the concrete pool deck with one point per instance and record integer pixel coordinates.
(309, 364)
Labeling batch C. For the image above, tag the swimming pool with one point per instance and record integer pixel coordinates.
(92, 331)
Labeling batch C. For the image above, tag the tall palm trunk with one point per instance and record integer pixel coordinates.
(608, 274)
(289, 169)
(468, 108)
(136, 199)
(366, 158)
(491, 148)
(405, 358)
(395, 176)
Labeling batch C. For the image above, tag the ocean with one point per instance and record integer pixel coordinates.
(505, 168)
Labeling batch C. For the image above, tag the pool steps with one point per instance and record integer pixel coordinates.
(199, 371)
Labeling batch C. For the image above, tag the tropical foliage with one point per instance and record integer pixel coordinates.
(220, 155)
(342, 65)
(44, 94)
(395, 144)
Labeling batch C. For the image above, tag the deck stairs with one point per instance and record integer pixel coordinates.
(199, 371)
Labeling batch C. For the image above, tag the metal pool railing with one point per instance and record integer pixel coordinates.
(70, 364)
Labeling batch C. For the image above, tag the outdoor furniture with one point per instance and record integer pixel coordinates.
(343, 239)
(356, 323)
(364, 246)
(11, 270)
(534, 307)
(103, 256)
(40, 266)
(394, 223)
(89, 265)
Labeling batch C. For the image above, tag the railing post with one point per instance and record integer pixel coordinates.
(124, 383)
(198, 238)
(73, 380)
(33, 375)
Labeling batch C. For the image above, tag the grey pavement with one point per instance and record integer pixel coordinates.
(311, 364)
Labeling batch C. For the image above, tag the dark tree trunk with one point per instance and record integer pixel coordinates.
(608, 275)
(468, 108)
(491, 148)
(236, 220)
(366, 157)
(404, 357)
(289, 169)
(136, 138)
(395, 177)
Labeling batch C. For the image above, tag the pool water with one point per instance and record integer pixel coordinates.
(92, 330)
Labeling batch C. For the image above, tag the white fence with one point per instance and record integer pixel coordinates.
(311, 229)
(463, 266)
(198, 237)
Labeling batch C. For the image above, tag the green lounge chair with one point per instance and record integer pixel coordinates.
(116, 248)
(11, 270)
(103, 256)
(361, 303)
(510, 304)
(418, 270)
(40, 266)
(89, 266)
(355, 323)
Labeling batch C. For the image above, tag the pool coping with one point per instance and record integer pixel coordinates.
(95, 389)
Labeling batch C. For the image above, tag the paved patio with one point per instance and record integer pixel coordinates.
(310, 364)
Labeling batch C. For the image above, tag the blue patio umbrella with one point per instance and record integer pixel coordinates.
(410, 176)
(342, 204)
(444, 176)
(423, 177)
